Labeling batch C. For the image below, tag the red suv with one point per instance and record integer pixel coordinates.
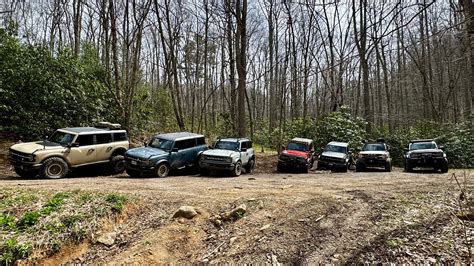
(297, 155)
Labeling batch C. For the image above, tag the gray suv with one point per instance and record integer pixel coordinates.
(165, 152)
(229, 154)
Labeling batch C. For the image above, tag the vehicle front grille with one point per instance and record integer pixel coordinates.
(215, 158)
(19, 156)
(330, 159)
(373, 156)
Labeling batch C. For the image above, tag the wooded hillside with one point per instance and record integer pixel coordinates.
(235, 67)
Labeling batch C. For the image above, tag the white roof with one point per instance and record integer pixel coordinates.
(303, 140)
(337, 143)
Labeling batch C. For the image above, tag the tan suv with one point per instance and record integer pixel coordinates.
(69, 148)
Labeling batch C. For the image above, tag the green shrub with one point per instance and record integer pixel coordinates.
(12, 251)
(117, 201)
(29, 219)
(7, 221)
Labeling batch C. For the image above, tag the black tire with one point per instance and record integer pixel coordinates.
(54, 168)
(132, 173)
(388, 167)
(408, 167)
(344, 169)
(250, 165)
(203, 171)
(26, 174)
(162, 170)
(117, 164)
(444, 169)
(280, 168)
(359, 167)
(237, 169)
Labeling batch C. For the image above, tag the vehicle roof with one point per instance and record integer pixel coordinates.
(234, 139)
(337, 143)
(421, 140)
(179, 135)
(80, 130)
(375, 142)
(302, 140)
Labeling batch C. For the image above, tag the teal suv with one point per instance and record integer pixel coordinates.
(165, 152)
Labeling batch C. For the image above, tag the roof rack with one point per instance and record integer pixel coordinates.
(108, 125)
(421, 140)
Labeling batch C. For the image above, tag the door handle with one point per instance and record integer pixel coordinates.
(91, 150)
(109, 148)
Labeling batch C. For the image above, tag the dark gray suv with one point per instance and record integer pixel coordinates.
(165, 152)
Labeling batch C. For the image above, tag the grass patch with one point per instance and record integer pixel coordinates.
(117, 201)
(47, 219)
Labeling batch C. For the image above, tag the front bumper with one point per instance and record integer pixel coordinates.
(216, 166)
(331, 165)
(293, 162)
(428, 162)
(372, 162)
(26, 166)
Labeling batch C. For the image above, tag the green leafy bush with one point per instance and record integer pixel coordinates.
(117, 201)
(29, 219)
(41, 92)
(340, 126)
(11, 251)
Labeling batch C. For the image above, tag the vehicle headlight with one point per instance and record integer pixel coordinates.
(31, 157)
(361, 155)
(228, 160)
(384, 156)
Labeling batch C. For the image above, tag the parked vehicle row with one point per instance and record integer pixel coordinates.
(107, 144)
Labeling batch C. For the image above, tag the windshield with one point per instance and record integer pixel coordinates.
(164, 144)
(297, 146)
(333, 148)
(422, 146)
(227, 145)
(374, 147)
(62, 138)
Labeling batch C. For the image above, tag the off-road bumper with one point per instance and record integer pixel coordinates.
(293, 163)
(435, 162)
(25, 166)
(216, 166)
(331, 165)
(371, 162)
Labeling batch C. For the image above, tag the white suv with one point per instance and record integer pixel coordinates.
(229, 154)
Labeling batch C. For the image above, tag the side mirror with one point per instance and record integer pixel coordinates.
(441, 147)
(174, 150)
(74, 145)
(209, 147)
(145, 143)
(322, 149)
(45, 136)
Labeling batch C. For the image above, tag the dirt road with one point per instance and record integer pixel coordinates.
(290, 218)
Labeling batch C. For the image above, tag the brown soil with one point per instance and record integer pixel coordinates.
(291, 218)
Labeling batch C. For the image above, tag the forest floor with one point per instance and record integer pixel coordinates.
(317, 217)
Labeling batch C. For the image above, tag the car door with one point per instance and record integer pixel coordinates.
(85, 153)
(182, 152)
(104, 146)
(244, 152)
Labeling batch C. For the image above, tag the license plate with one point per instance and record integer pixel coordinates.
(134, 162)
(331, 164)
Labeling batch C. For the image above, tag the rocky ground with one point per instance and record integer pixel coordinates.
(317, 217)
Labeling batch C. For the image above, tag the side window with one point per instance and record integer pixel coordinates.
(249, 145)
(200, 141)
(85, 140)
(243, 145)
(121, 136)
(185, 144)
(103, 138)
